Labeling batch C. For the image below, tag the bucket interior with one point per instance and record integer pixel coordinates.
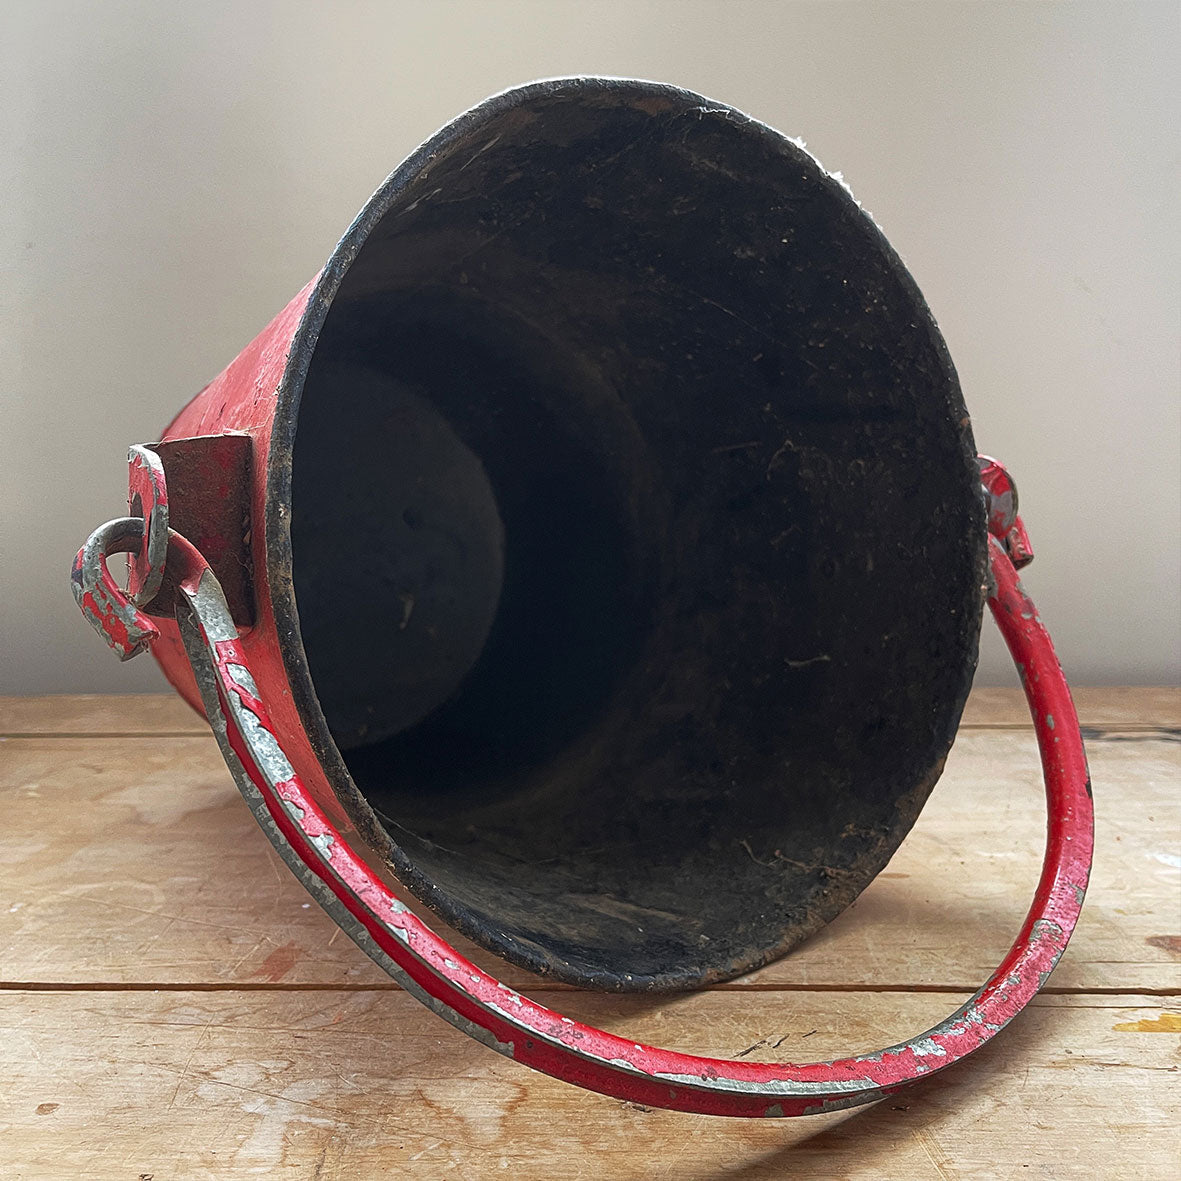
(636, 536)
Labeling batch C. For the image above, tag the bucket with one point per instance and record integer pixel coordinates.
(599, 546)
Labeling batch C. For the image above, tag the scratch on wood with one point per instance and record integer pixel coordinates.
(938, 1158)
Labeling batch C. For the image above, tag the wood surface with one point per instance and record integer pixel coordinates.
(1135, 707)
(172, 1005)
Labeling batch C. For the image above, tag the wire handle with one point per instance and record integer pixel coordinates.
(480, 1005)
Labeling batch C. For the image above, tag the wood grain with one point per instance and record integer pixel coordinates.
(1099, 708)
(173, 1006)
(108, 715)
(369, 1084)
(139, 857)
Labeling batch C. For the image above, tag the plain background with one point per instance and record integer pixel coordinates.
(171, 174)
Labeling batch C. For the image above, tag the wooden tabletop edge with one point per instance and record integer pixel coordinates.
(163, 715)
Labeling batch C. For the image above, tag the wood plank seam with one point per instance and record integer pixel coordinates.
(246, 986)
(1126, 732)
(230, 1077)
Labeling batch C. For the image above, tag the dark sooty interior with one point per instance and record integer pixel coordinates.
(637, 541)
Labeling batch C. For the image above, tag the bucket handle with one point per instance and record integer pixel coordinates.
(475, 1002)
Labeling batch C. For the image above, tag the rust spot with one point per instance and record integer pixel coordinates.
(277, 964)
(656, 104)
(1165, 1023)
(46, 1108)
(1169, 943)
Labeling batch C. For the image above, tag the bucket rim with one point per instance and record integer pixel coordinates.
(279, 550)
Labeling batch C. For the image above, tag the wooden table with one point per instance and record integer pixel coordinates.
(173, 1006)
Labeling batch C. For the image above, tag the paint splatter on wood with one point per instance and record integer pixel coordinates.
(1169, 943)
(277, 964)
(1165, 1023)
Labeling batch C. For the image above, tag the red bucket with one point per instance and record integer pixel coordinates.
(598, 543)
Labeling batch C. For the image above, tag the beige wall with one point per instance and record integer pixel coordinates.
(172, 173)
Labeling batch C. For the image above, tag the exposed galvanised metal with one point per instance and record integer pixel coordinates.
(520, 1028)
(116, 618)
(147, 487)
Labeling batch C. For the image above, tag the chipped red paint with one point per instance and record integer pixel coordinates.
(1003, 521)
(242, 399)
(203, 484)
(126, 629)
(147, 496)
(341, 880)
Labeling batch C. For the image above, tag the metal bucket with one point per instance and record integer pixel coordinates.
(603, 531)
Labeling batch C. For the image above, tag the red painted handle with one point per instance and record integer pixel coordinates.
(477, 1003)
